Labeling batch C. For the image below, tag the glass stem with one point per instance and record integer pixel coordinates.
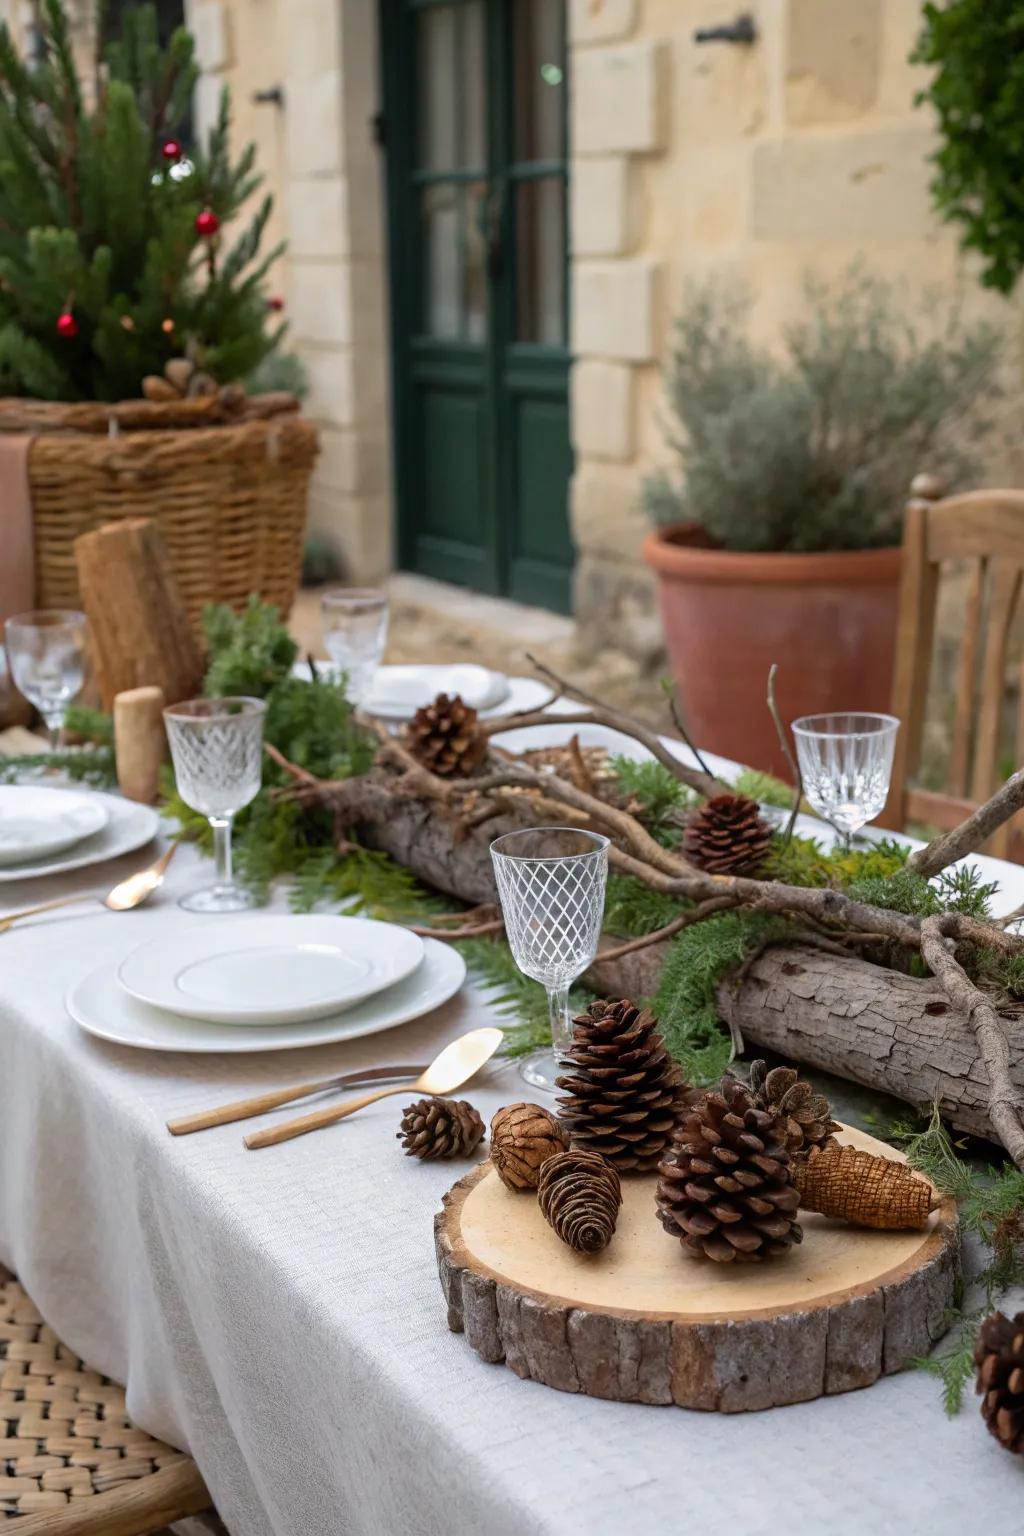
(561, 1020)
(54, 728)
(222, 848)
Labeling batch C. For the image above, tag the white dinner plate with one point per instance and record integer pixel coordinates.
(37, 822)
(399, 691)
(523, 693)
(267, 969)
(128, 826)
(101, 1006)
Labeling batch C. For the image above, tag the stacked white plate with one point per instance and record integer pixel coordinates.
(266, 983)
(399, 691)
(47, 831)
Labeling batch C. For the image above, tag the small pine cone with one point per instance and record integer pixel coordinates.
(867, 1191)
(726, 1187)
(440, 1128)
(999, 1356)
(805, 1117)
(580, 1195)
(523, 1137)
(625, 1093)
(444, 737)
(727, 835)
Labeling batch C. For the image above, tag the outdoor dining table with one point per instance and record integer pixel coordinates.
(278, 1313)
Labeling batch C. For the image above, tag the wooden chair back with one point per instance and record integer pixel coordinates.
(983, 530)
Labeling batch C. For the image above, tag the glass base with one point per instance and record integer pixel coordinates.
(541, 1070)
(218, 898)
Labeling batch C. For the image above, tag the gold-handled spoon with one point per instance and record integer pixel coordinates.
(124, 897)
(455, 1065)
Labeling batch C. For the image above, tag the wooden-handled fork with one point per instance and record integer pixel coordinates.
(245, 1109)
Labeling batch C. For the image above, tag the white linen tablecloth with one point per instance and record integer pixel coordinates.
(279, 1314)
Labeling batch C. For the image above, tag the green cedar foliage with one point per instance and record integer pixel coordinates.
(94, 220)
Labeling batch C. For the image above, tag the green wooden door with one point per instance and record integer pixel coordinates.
(475, 132)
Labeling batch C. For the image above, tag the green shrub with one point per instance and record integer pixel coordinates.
(815, 449)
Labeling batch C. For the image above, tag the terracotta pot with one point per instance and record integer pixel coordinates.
(829, 620)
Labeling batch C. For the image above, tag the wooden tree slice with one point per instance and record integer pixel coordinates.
(643, 1322)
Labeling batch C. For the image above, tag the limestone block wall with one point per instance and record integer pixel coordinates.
(317, 152)
(756, 164)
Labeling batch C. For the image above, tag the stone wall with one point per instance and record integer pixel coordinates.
(318, 154)
(756, 164)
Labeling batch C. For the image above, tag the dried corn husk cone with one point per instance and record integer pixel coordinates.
(863, 1189)
(999, 1356)
(440, 1128)
(725, 1189)
(805, 1116)
(580, 1195)
(444, 737)
(523, 1137)
(727, 835)
(623, 1093)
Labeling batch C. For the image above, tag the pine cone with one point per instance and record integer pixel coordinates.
(805, 1117)
(443, 736)
(523, 1137)
(727, 835)
(580, 1195)
(999, 1356)
(726, 1188)
(440, 1128)
(625, 1093)
(867, 1191)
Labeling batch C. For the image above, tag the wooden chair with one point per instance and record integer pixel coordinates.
(985, 531)
(72, 1463)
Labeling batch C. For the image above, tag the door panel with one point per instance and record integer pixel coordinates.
(475, 118)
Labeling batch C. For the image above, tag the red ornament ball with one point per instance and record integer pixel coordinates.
(67, 325)
(275, 303)
(171, 149)
(207, 223)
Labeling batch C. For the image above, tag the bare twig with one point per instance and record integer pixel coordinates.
(684, 735)
(616, 720)
(684, 920)
(1006, 1107)
(970, 834)
(468, 931)
(1011, 917)
(787, 752)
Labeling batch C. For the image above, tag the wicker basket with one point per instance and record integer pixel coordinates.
(227, 488)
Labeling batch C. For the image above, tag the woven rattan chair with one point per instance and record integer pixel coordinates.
(71, 1461)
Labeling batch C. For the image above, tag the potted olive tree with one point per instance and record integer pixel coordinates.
(779, 540)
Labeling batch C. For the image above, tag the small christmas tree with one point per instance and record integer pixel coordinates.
(112, 253)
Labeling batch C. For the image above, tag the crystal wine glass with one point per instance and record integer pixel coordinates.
(217, 750)
(355, 629)
(551, 881)
(48, 656)
(846, 764)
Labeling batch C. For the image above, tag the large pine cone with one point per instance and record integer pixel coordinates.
(805, 1117)
(623, 1092)
(726, 1188)
(440, 1128)
(580, 1195)
(523, 1137)
(999, 1356)
(444, 737)
(727, 835)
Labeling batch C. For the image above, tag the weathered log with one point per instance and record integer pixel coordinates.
(875, 1026)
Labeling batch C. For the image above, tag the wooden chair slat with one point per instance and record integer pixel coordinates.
(959, 760)
(1005, 582)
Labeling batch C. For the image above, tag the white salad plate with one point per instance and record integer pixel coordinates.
(37, 822)
(397, 700)
(125, 827)
(269, 969)
(100, 1005)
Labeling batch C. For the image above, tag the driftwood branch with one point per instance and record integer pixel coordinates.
(1006, 1102)
(661, 935)
(787, 752)
(970, 834)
